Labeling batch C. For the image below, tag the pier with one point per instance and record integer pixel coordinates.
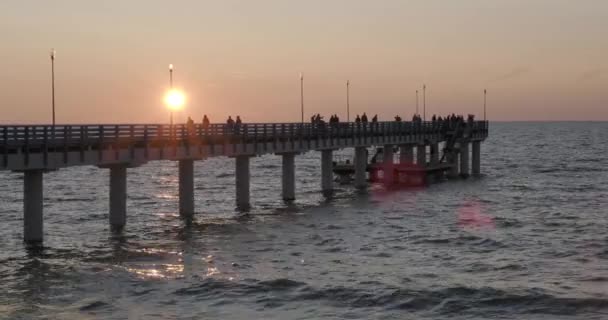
(435, 148)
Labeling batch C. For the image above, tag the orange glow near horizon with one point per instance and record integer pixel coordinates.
(245, 58)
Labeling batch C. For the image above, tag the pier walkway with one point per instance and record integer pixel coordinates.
(37, 149)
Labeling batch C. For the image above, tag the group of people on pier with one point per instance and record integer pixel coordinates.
(449, 121)
(363, 118)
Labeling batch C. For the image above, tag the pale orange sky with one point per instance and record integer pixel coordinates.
(539, 59)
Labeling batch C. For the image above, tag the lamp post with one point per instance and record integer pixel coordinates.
(53, 83)
(347, 101)
(424, 102)
(416, 101)
(171, 88)
(484, 104)
(302, 96)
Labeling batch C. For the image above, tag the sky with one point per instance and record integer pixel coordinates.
(538, 59)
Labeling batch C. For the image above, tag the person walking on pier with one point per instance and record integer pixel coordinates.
(357, 119)
(238, 123)
(375, 118)
(190, 126)
(205, 122)
(364, 118)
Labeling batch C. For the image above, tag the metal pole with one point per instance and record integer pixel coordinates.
(302, 95)
(424, 102)
(416, 101)
(53, 83)
(484, 104)
(347, 101)
(171, 87)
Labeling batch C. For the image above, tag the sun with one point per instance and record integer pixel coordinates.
(175, 99)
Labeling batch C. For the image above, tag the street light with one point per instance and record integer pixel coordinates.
(484, 104)
(302, 95)
(424, 102)
(53, 83)
(347, 101)
(416, 102)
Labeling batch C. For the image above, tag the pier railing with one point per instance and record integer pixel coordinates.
(49, 137)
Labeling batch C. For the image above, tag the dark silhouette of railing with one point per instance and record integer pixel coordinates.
(62, 138)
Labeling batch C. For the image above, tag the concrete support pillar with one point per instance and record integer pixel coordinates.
(421, 156)
(387, 164)
(360, 167)
(434, 154)
(242, 182)
(476, 157)
(186, 187)
(453, 160)
(464, 159)
(406, 154)
(289, 176)
(327, 174)
(118, 196)
(32, 206)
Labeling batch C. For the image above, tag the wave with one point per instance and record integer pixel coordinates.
(443, 301)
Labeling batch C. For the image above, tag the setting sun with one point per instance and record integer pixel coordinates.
(175, 99)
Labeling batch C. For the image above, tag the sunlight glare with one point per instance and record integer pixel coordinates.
(175, 99)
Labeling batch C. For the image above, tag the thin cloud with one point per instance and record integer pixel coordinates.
(592, 74)
(515, 73)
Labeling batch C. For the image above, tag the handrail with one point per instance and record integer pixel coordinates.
(60, 135)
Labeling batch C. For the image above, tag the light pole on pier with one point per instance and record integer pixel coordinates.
(484, 104)
(416, 101)
(171, 88)
(347, 101)
(424, 102)
(53, 83)
(302, 95)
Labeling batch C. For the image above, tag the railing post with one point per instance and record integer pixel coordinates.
(146, 142)
(5, 138)
(81, 143)
(244, 138)
(274, 135)
(45, 147)
(66, 137)
(116, 143)
(132, 142)
(265, 138)
(27, 146)
(100, 147)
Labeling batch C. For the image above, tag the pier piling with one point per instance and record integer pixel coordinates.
(327, 172)
(32, 206)
(360, 167)
(476, 157)
(388, 170)
(118, 196)
(464, 159)
(406, 154)
(242, 183)
(289, 176)
(421, 155)
(186, 187)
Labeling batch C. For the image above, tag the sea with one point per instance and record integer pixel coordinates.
(526, 240)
